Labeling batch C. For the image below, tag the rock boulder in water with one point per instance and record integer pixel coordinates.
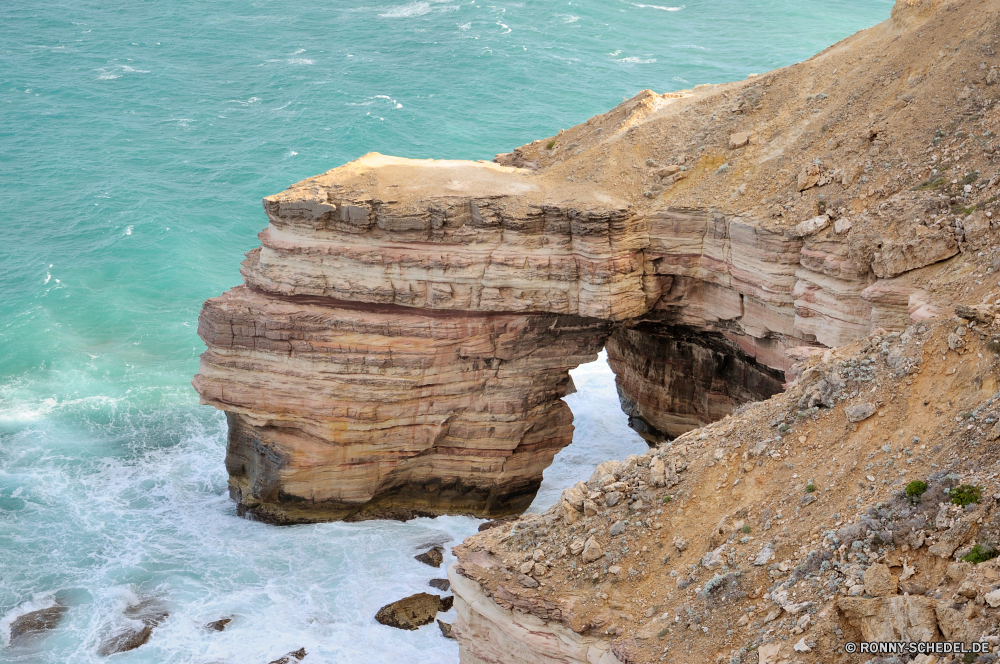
(290, 658)
(35, 623)
(145, 615)
(434, 557)
(218, 625)
(445, 629)
(440, 584)
(413, 611)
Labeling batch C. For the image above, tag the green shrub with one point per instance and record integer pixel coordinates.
(746, 529)
(966, 494)
(810, 487)
(667, 499)
(915, 489)
(980, 554)
(663, 633)
(551, 145)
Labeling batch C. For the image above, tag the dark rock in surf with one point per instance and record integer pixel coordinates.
(218, 625)
(35, 622)
(440, 584)
(145, 616)
(290, 658)
(433, 557)
(413, 611)
(445, 629)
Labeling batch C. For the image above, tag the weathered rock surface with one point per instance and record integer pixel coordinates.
(142, 617)
(672, 379)
(35, 623)
(445, 629)
(440, 584)
(413, 611)
(503, 629)
(346, 411)
(899, 618)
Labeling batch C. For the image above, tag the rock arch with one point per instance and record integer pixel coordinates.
(404, 335)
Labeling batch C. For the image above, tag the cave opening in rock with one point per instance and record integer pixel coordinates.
(675, 378)
(600, 431)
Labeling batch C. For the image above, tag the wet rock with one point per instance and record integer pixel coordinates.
(496, 523)
(440, 584)
(412, 612)
(144, 616)
(859, 412)
(290, 658)
(126, 640)
(35, 622)
(447, 603)
(433, 557)
(879, 582)
(445, 629)
(218, 625)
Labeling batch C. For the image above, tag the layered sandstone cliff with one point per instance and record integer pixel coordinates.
(405, 331)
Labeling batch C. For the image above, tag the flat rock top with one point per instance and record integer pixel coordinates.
(401, 180)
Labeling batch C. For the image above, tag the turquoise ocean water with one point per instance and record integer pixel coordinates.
(136, 140)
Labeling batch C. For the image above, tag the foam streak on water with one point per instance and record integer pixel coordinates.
(136, 140)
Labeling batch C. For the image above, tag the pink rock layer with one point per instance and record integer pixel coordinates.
(345, 411)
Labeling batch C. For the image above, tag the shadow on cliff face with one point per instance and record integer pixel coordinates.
(673, 378)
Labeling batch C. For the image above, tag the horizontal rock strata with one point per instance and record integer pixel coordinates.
(405, 333)
(342, 411)
(452, 235)
(674, 379)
